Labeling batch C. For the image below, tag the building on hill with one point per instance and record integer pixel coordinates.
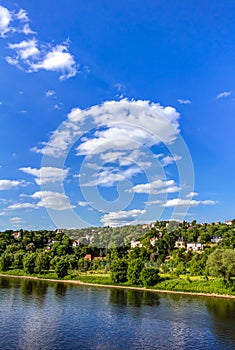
(195, 247)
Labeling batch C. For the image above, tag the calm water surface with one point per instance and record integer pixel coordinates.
(45, 315)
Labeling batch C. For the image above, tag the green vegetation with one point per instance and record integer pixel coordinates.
(186, 257)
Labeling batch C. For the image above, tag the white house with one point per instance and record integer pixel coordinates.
(135, 244)
(196, 247)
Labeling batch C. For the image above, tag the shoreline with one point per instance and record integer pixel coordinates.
(80, 283)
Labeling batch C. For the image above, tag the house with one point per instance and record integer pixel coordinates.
(229, 222)
(195, 247)
(180, 243)
(76, 243)
(88, 257)
(16, 235)
(216, 239)
(153, 241)
(135, 244)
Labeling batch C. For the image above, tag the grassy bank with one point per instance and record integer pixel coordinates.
(183, 284)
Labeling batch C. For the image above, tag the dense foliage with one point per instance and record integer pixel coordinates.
(134, 255)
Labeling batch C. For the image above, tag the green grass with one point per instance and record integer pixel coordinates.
(182, 284)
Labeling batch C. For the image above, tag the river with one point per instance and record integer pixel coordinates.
(49, 315)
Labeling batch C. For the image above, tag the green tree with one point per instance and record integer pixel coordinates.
(62, 267)
(119, 270)
(149, 276)
(29, 262)
(42, 262)
(134, 270)
(221, 263)
(6, 261)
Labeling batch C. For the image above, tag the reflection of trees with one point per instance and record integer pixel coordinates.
(223, 313)
(60, 289)
(133, 298)
(32, 288)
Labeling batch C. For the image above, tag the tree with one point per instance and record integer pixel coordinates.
(42, 262)
(6, 261)
(119, 270)
(29, 262)
(62, 267)
(221, 263)
(134, 270)
(149, 276)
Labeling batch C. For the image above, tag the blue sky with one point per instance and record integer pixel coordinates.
(116, 113)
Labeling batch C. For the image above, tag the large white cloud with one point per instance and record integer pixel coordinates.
(5, 19)
(10, 184)
(129, 125)
(121, 218)
(46, 175)
(52, 200)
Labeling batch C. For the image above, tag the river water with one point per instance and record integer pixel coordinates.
(46, 315)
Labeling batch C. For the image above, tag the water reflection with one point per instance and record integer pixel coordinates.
(134, 298)
(60, 289)
(34, 288)
(223, 316)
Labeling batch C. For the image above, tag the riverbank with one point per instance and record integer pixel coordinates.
(100, 285)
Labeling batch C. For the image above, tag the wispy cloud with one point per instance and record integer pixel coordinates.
(170, 159)
(176, 202)
(17, 206)
(223, 94)
(184, 102)
(121, 218)
(50, 93)
(192, 194)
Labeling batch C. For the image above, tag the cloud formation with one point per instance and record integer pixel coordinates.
(31, 55)
(184, 102)
(176, 202)
(52, 200)
(223, 94)
(46, 175)
(129, 125)
(155, 187)
(10, 184)
(121, 218)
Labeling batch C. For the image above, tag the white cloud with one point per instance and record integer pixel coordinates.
(83, 203)
(154, 187)
(186, 202)
(121, 218)
(157, 201)
(52, 200)
(109, 176)
(5, 19)
(50, 93)
(130, 126)
(191, 194)
(46, 175)
(30, 55)
(22, 16)
(10, 184)
(25, 49)
(170, 159)
(16, 206)
(59, 59)
(184, 102)
(16, 220)
(223, 94)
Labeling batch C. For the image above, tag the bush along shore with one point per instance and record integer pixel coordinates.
(166, 256)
